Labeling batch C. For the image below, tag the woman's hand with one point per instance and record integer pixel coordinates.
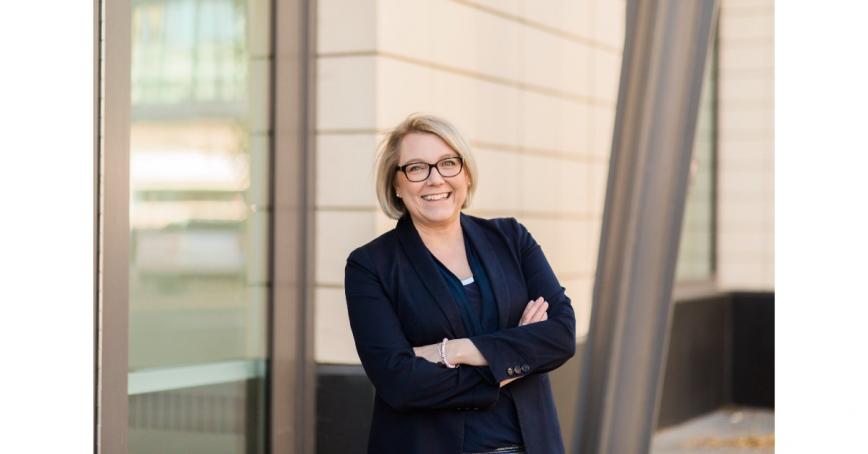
(458, 351)
(462, 351)
(535, 311)
(430, 352)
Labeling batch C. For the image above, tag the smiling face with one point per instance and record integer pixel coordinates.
(436, 201)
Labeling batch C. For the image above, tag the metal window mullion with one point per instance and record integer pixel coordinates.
(292, 373)
(97, 84)
(114, 227)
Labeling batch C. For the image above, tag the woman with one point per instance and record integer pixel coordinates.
(456, 319)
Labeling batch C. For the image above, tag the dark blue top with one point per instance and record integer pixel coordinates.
(496, 426)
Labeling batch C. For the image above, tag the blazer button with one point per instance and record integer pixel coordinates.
(509, 371)
(525, 368)
(517, 369)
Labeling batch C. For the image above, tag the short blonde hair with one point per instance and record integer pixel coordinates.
(390, 152)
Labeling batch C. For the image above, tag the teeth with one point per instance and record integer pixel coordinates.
(435, 196)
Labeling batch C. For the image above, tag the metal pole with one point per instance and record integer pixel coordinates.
(665, 52)
(292, 381)
(114, 229)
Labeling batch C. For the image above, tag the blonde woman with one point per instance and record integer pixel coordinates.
(456, 319)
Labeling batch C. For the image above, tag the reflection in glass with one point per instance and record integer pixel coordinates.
(696, 252)
(199, 226)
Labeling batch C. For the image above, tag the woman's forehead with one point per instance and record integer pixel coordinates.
(424, 146)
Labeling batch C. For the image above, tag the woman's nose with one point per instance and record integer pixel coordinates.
(435, 178)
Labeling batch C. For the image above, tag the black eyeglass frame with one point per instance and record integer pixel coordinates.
(403, 168)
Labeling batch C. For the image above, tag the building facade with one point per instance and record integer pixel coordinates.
(250, 129)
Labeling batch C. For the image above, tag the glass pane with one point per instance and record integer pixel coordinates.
(199, 217)
(696, 252)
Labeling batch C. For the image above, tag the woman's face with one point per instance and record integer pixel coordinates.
(424, 199)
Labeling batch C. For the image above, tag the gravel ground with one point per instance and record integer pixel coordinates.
(726, 431)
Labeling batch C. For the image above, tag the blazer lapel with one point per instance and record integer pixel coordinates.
(488, 257)
(423, 264)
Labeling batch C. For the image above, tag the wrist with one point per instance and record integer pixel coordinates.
(457, 351)
(445, 358)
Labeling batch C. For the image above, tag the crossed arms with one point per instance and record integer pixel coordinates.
(406, 378)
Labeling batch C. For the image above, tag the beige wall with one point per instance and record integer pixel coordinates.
(533, 85)
(745, 235)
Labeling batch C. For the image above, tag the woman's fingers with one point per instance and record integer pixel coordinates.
(507, 381)
(527, 309)
(541, 312)
(431, 353)
(528, 312)
(534, 312)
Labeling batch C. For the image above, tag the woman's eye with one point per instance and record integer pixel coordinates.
(416, 168)
(449, 163)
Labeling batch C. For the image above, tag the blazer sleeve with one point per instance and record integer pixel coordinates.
(538, 347)
(403, 380)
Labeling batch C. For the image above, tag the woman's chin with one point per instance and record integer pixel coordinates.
(439, 214)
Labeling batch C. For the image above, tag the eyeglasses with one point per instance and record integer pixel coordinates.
(420, 171)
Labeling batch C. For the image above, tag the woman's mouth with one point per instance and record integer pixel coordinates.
(436, 197)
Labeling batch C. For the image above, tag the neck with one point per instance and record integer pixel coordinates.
(440, 233)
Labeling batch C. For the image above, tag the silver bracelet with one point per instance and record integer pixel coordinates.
(442, 350)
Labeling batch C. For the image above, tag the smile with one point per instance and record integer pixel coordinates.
(435, 197)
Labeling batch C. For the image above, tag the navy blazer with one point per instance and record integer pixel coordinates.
(397, 300)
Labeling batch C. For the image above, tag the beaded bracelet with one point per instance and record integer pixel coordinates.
(442, 350)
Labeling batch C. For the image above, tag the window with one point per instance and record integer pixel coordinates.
(696, 253)
(199, 219)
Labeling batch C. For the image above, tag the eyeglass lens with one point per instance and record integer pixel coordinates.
(420, 171)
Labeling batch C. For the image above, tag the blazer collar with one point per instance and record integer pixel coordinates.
(491, 263)
(423, 264)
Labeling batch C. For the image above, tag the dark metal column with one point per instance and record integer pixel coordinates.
(661, 79)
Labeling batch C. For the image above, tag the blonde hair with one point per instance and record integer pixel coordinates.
(389, 154)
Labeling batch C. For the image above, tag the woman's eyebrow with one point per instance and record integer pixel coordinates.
(444, 156)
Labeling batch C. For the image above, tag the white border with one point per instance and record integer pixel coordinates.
(822, 235)
(46, 231)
